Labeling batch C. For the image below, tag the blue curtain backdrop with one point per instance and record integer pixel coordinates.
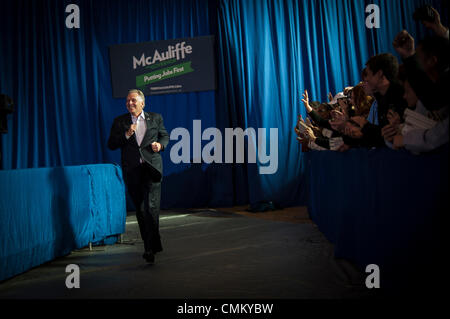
(267, 53)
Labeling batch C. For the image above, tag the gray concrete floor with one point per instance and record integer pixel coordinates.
(207, 254)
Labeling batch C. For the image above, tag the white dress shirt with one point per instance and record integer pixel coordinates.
(141, 127)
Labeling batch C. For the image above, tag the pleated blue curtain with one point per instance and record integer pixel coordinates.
(47, 70)
(268, 52)
(60, 81)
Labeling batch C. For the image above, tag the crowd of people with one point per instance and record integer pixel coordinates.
(401, 106)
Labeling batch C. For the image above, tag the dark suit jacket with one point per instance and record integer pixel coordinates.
(392, 99)
(131, 151)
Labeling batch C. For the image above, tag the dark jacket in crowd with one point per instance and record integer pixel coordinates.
(433, 96)
(392, 99)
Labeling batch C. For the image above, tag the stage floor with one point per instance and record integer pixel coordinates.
(219, 253)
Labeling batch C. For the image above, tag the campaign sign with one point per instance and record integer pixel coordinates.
(161, 67)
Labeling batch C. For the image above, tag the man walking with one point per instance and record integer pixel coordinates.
(141, 136)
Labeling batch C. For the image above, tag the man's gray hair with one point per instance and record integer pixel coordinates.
(139, 92)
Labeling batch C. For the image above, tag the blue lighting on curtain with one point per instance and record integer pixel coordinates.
(268, 52)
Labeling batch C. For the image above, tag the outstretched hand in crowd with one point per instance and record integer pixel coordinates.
(338, 120)
(438, 28)
(305, 129)
(330, 97)
(392, 129)
(404, 44)
(305, 101)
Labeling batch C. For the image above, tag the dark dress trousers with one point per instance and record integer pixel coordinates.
(143, 180)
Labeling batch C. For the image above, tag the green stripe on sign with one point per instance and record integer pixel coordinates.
(162, 74)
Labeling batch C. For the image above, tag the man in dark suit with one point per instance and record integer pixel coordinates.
(141, 136)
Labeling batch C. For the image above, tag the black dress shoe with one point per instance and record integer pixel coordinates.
(157, 250)
(149, 257)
